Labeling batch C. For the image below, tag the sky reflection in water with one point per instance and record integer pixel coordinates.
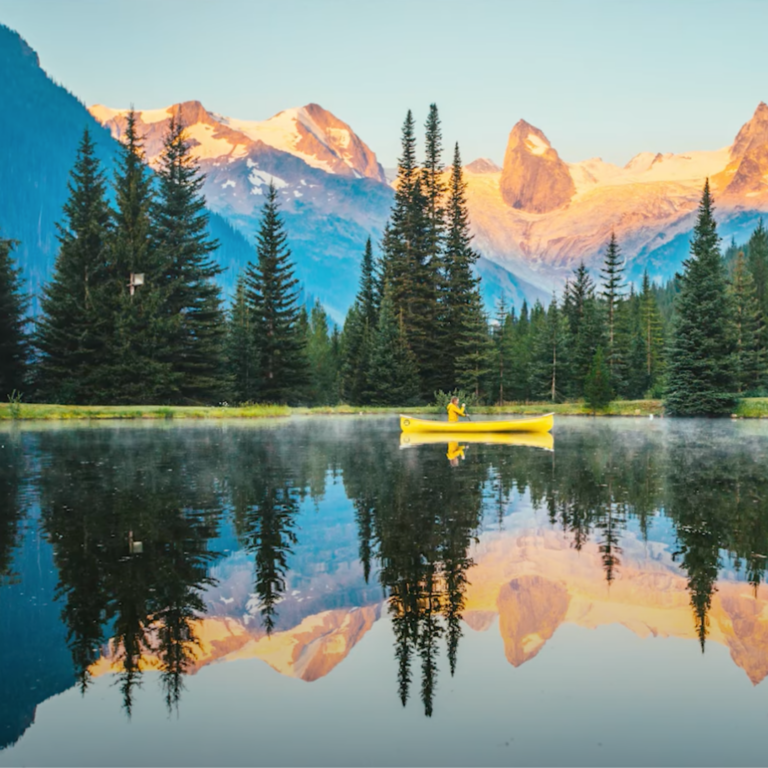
(280, 589)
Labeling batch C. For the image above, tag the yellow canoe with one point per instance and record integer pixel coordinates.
(536, 424)
(527, 439)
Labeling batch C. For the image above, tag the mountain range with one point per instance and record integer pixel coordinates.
(539, 216)
(534, 218)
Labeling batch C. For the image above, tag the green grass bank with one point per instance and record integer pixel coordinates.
(748, 408)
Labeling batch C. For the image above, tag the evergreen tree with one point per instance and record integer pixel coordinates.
(322, 360)
(636, 380)
(357, 339)
(140, 368)
(13, 339)
(473, 347)
(652, 333)
(549, 365)
(73, 332)
(272, 294)
(192, 296)
(502, 340)
(613, 294)
(519, 384)
(407, 265)
(757, 261)
(585, 328)
(700, 378)
(394, 374)
(434, 187)
(467, 346)
(597, 388)
(745, 322)
(241, 347)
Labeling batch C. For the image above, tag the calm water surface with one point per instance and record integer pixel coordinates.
(312, 592)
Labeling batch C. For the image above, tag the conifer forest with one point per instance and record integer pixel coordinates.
(132, 313)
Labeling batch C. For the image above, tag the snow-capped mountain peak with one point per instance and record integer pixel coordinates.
(310, 133)
(317, 137)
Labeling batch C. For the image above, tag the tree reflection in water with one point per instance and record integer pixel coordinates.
(133, 516)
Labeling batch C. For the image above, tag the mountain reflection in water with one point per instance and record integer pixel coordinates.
(175, 547)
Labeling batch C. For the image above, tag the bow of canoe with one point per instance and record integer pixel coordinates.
(536, 424)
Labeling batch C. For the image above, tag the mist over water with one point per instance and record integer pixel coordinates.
(312, 592)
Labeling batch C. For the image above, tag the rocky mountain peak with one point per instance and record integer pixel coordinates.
(534, 178)
(745, 175)
(752, 133)
(482, 165)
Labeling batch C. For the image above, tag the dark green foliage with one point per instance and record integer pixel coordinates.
(357, 338)
(241, 347)
(700, 377)
(408, 266)
(467, 351)
(502, 339)
(749, 363)
(281, 366)
(652, 332)
(14, 351)
(434, 187)
(394, 374)
(73, 333)
(587, 330)
(549, 368)
(323, 359)
(192, 299)
(598, 392)
(613, 295)
(140, 367)
(757, 262)
(473, 347)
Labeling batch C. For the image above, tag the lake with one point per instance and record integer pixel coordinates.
(317, 591)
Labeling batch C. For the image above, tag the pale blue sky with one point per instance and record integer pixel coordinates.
(600, 78)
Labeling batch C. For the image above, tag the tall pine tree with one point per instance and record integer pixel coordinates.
(192, 297)
(13, 309)
(613, 295)
(700, 378)
(140, 368)
(407, 264)
(357, 338)
(467, 345)
(73, 332)
(273, 296)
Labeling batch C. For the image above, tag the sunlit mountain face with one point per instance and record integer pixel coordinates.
(141, 563)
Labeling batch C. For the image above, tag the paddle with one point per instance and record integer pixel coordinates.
(466, 415)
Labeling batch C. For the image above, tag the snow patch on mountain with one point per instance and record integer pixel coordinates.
(535, 144)
(261, 179)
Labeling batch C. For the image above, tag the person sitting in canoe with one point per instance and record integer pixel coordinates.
(453, 409)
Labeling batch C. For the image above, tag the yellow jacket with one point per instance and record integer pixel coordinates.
(454, 412)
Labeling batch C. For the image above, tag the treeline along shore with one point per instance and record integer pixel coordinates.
(133, 322)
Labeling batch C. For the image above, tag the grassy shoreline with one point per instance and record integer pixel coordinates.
(748, 408)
